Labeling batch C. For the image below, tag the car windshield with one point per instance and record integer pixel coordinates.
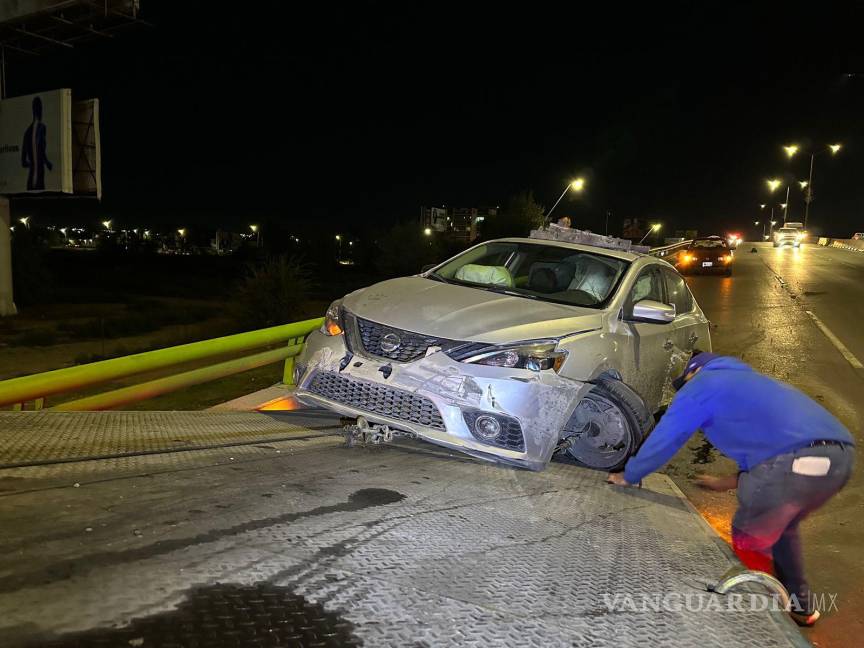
(709, 243)
(787, 230)
(537, 271)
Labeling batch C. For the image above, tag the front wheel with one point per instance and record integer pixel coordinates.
(607, 426)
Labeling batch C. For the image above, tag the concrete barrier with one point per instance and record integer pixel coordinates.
(848, 244)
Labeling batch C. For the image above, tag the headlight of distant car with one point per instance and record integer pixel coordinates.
(333, 319)
(799, 236)
(535, 355)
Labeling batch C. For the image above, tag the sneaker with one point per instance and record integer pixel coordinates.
(805, 620)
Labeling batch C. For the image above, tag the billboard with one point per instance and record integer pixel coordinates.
(36, 143)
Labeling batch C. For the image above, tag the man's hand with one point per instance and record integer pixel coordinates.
(617, 478)
(717, 483)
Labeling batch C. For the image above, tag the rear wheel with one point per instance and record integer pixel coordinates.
(607, 426)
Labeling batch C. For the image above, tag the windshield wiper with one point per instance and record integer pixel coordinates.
(437, 277)
(512, 293)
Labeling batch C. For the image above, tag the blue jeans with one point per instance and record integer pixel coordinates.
(773, 500)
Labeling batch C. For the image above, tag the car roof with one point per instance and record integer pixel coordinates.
(610, 252)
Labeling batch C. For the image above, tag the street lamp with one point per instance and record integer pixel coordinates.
(654, 228)
(107, 224)
(25, 221)
(428, 231)
(577, 185)
(808, 197)
(791, 150)
(257, 231)
(773, 184)
(803, 184)
(182, 232)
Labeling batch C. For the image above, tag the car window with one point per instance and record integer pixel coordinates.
(534, 270)
(648, 285)
(677, 292)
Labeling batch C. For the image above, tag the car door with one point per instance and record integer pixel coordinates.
(650, 342)
(683, 332)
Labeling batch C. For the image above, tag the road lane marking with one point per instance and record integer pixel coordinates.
(842, 348)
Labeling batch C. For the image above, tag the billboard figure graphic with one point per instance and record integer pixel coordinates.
(33, 155)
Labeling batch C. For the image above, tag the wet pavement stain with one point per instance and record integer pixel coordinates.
(223, 616)
(358, 500)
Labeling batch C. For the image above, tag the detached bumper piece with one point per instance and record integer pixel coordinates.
(377, 399)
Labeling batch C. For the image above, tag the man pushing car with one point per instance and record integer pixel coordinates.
(792, 454)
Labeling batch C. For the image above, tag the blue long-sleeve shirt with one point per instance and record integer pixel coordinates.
(746, 415)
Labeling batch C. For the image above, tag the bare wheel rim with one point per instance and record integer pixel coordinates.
(603, 436)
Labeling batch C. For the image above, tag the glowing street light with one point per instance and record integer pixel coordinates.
(835, 148)
(783, 205)
(773, 184)
(25, 221)
(773, 223)
(755, 222)
(577, 185)
(63, 230)
(254, 228)
(106, 224)
(182, 231)
(762, 206)
(654, 228)
(338, 237)
(791, 150)
(428, 231)
(803, 183)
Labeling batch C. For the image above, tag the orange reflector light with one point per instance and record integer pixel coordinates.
(332, 327)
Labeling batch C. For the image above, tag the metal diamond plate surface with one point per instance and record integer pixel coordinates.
(403, 545)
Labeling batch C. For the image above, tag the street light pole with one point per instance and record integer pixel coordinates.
(577, 185)
(786, 205)
(809, 196)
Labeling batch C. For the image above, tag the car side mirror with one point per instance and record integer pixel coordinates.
(649, 310)
(427, 267)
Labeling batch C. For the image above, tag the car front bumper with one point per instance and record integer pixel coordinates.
(431, 396)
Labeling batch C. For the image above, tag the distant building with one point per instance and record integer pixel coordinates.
(457, 223)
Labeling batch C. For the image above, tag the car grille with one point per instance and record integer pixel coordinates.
(371, 336)
(377, 399)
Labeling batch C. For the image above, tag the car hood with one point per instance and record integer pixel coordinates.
(462, 313)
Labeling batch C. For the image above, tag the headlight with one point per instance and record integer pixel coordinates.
(333, 319)
(535, 356)
(798, 237)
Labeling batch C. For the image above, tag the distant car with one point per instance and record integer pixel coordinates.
(734, 241)
(710, 254)
(788, 236)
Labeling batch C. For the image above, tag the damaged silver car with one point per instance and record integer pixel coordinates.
(511, 351)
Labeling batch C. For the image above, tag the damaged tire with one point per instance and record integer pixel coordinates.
(607, 426)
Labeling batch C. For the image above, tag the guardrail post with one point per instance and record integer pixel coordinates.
(288, 372)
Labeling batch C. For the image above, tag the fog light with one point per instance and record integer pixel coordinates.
(487, 427)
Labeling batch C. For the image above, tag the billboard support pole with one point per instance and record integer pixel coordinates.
(7, 306)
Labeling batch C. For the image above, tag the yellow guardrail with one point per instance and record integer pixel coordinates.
(17, 391)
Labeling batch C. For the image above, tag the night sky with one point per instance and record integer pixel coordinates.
(361, 113)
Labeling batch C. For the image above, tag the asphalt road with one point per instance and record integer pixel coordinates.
(767, 314)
